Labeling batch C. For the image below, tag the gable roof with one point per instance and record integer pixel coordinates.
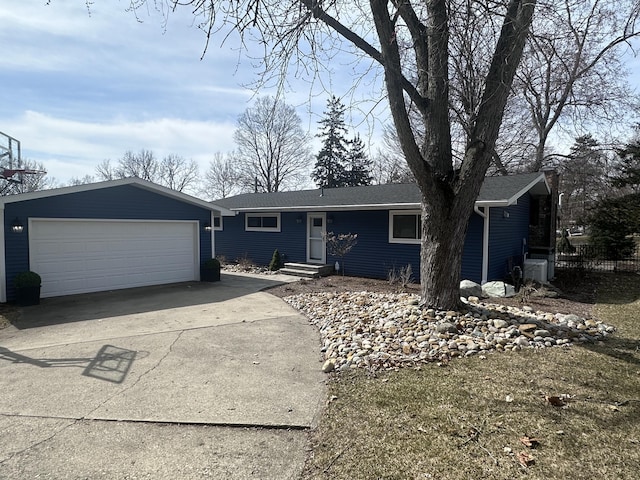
(144, 184)
(495, 191)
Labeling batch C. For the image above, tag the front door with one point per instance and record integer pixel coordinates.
(316, 245)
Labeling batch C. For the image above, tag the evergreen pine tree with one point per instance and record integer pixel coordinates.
(628, 170)
(329, 170)
(358, 164)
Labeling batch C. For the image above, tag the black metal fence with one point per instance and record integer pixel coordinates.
(602, 259)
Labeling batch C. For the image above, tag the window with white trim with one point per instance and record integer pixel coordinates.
(405, 226)
(217, 222)
(262, 222)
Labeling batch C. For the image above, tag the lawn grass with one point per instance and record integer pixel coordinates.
(465, 420)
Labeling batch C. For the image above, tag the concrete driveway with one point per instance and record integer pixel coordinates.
(181, 381)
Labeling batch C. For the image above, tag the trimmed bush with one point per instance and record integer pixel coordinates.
(211, 264)
(27, 279)
(276, 261)
(210, 271)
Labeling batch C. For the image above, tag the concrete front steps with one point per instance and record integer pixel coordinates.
(307, 270)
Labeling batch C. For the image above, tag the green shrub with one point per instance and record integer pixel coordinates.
(27, 279)
(276, 261)
(612, 223)
(211, 264)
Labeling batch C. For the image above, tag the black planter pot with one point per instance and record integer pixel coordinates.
(210, 275)
(26, 296)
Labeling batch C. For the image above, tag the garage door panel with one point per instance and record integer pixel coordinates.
(89, 256)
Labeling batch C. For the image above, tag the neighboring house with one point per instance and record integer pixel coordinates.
(511, 213)
(104, 236)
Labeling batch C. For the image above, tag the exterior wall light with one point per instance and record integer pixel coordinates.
(207, 227)
(16, 226)
(299, 219)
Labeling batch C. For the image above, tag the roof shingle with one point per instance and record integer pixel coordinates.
(505, 189)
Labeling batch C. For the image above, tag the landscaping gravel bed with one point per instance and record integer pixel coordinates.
(381, 331)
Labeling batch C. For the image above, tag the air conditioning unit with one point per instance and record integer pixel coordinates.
(551, 262)
(535, 269)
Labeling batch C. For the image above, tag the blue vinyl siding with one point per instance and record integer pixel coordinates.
(506, 235)
(234, 243)
(472, 250)
(374, 256)
(122, 202)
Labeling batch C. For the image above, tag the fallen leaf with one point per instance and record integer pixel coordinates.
(556, 401)
(508, 398)
(525, 459)
(614, 408)
(530, 442)
(507, 450)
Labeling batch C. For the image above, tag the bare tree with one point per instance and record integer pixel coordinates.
(178, 173)
(172, 171)
(273, 152)
(222, 178)
(409, 41)
(389, 165)
(81, 180)
(143, 165)
(572, 75)
(106, 171)
(571, 78)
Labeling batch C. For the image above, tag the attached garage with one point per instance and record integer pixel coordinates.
(105, 236)
(82, 256)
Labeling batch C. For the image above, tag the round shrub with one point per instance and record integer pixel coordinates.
(27, 279)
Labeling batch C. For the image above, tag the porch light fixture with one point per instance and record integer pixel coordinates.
(16, 226)
(299, 219)
(329, 219)
(505, 214)
(207, 227)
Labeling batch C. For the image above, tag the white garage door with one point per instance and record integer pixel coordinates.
(91, 256)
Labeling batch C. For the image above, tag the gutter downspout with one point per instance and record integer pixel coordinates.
(485, 241)
(213, 233)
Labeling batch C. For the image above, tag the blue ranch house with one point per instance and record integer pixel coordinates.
(513, 217)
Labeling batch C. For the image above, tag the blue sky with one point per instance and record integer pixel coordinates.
(79, 87)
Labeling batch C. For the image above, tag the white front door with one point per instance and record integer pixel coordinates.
(316, 245)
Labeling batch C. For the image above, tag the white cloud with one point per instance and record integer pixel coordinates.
(70, 148)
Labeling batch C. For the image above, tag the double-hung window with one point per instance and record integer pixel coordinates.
(262, 222)
(405, 226)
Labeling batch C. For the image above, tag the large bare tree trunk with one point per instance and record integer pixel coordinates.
(443, 236)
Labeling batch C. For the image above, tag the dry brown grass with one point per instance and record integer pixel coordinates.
(466, 420)
(8, 314)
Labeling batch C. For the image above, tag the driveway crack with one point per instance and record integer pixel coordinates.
(143, 374)
(84, 417)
